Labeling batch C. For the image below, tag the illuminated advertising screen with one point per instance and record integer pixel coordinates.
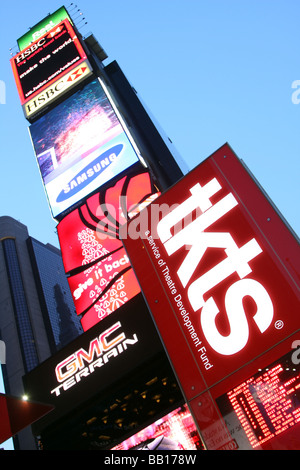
(97, 362)
(33, 107)
(174, 431)
(264, 411)
(79, 146)
(221, 264)
(46, 60)
(99, 273)
(42, 27)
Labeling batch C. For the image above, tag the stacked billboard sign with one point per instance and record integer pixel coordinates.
(48, 67)
(218, 269)
(100, 276)
(90, 166)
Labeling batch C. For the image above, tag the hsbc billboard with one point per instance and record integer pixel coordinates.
(68, 81)
(46, 60)
(218, 270)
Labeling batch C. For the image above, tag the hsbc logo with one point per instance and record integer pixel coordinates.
(54, 33)
(58, 88)
(199, 237)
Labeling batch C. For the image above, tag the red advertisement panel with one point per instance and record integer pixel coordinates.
(100, 275)
(218, 268)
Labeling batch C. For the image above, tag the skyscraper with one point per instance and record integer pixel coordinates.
(36, 307)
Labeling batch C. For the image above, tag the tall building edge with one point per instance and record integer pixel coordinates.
(25, 320)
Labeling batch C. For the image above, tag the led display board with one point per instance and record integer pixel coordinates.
(80, 145)
(221, 265)
(99, 273)
(47, 97)
(43, 27)
(46, 60)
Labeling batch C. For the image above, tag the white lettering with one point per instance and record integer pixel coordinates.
(239, 328)
(236, 261)
(195, 237)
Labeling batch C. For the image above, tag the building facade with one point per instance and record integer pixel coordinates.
(36, 307)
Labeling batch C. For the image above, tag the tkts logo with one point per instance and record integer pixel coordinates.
(199, 237)
(82, 363)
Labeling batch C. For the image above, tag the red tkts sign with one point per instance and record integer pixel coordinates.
(218, 268)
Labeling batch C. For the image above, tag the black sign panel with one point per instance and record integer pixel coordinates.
(100, 358)
(45, 60)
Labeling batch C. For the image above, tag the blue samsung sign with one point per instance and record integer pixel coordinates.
(90, 172)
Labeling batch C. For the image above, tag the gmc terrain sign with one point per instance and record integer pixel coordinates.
(218, 269)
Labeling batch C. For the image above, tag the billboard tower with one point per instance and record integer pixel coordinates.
(218, 267)
(96, 172)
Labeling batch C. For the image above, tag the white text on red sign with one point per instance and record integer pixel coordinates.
(237, 261)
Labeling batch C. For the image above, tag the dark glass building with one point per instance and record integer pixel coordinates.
(36, 308)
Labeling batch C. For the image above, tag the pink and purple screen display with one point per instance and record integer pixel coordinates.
(80, 145)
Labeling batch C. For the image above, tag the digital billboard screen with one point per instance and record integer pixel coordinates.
(39, 103)
(46, 59)
(100, 275)
(264, 410)
(80, 145)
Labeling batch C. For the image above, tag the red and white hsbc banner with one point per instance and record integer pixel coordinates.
(218, 268)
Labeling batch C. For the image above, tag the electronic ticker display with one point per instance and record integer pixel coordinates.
(100, 275)
(46, 59)
(263, 412)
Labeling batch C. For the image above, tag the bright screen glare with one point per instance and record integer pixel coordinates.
(80, 145)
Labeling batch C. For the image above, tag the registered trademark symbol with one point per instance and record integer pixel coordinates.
(279, 324)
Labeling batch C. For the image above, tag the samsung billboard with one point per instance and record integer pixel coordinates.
(80, 145)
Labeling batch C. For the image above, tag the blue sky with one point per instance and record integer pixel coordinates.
(211, 71)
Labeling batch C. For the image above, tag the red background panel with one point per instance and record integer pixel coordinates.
(275, 269)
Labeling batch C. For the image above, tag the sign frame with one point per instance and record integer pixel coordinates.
(36, 48)
(148, 254)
